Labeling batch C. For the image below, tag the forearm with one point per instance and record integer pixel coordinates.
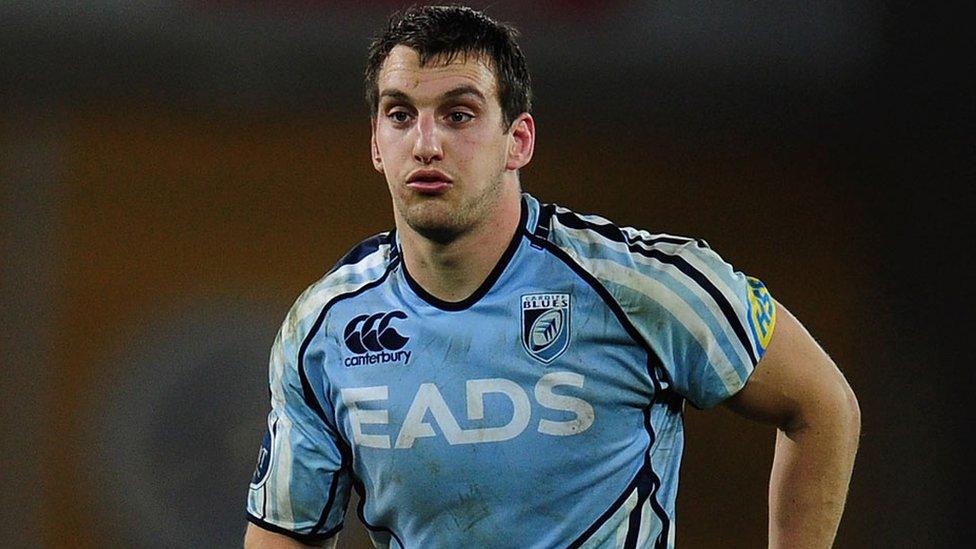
(811, 472)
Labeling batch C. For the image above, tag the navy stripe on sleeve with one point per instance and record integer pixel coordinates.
(612, 232)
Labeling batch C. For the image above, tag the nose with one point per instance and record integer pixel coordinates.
(427, 146)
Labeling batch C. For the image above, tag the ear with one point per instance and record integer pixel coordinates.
(522, 143)
(374, 148)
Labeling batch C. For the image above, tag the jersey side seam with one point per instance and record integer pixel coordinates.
(653, 368)
(311, 398)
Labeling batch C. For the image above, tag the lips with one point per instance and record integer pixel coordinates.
(429, 181)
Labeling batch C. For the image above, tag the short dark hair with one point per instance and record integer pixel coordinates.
(444, 32)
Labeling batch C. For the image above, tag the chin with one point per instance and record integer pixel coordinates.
(432, 222)
(436, 230)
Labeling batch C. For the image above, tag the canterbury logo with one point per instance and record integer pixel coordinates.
(373, 333)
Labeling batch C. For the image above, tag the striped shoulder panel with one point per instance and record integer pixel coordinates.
(362, 265)
(662, 276)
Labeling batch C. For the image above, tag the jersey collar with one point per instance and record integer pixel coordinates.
(527, 216)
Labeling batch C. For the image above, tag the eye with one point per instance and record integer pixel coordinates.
(459, 117)
(399, 117)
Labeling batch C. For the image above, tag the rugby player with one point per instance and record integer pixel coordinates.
(501, 372)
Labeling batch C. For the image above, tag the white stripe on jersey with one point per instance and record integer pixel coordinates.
(329, 287)
(311, 302)
(742, 313)
(656, 291)
(624, 518)
(591, 237)
(647, 513)
(630, 232)
(589, 218)
(613, 532)
(283, 514)
(278, 365)
(347, 278)
(642, 235)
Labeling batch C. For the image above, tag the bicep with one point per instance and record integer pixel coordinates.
(794, 382)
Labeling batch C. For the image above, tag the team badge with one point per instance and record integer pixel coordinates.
(264, 458)
(762, 314)
(545, 325)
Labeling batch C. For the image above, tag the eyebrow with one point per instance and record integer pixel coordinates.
(454, 93)
(463, 90)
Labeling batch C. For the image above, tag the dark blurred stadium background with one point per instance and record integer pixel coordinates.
(174, 173)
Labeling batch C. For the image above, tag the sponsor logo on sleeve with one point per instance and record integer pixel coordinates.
(545, 325)
(264, 458)
(762, 314)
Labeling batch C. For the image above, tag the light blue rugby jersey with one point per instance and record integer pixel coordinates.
(543, 411)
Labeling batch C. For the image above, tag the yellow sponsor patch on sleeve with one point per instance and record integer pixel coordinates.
(762, 313)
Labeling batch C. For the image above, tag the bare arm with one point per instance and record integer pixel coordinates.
(258, 538)
(797, 387)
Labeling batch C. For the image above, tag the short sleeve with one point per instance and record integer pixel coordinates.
(300, 487)
(708, 323)
(705, 324)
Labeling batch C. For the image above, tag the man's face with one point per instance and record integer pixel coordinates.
(440, 141)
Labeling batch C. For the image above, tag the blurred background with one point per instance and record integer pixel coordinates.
(174, 173)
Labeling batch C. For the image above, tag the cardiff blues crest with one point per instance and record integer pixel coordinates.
(545, 325)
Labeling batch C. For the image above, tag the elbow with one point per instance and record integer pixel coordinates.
(851, 416)
(832, 412)
(839, 417)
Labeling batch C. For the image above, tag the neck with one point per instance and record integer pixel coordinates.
(454, 269)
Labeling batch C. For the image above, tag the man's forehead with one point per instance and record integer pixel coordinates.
(402, 70)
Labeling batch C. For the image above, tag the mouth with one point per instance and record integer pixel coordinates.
(430, 182)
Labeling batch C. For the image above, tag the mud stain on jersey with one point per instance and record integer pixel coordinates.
(470, 509)
(457, 348)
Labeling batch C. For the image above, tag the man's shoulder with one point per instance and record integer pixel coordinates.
(592, 238)
(365, 263)
(376, 247)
